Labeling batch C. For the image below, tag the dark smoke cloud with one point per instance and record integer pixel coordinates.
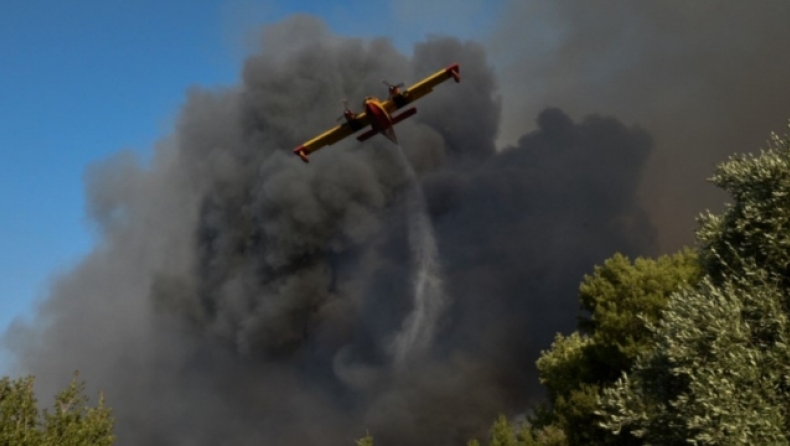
(240, 297)
(707, 78)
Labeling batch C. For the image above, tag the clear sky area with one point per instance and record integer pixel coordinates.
(81, 80)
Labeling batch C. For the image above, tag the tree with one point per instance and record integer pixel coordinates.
(367, 440)
(710, 380)
(503, 433)
(71, 422)
(620, 297)
(720, 373)
(753, 230)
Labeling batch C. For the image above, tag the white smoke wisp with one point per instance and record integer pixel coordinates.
(416, 333)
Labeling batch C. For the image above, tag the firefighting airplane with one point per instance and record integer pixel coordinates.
(377, 114)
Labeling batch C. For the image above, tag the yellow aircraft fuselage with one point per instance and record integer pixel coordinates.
(378, 114)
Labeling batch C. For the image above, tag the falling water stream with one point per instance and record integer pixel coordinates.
(416, 333)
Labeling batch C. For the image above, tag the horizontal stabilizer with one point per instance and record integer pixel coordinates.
(407, 113)
(367, 135)
(395, 119)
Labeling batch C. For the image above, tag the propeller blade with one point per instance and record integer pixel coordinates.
(390, 86)
(345, 109)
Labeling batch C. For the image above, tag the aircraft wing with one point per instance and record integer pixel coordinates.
(331, 136)
(423, 87)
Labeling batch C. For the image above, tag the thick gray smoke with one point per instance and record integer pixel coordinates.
(707, 78)
(240, 297)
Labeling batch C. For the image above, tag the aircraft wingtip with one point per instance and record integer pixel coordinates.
(300, 151)
(455, 72)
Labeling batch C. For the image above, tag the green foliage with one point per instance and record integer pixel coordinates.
(564, 364)
(550, 436)
(720, 373)
(755, 228)
(503, 433)
(18, 412)
(71, 422)
(367, 440)
(620, 297)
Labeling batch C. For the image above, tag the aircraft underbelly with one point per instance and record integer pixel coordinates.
(380, 120)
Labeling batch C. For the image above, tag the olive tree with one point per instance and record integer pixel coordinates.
(720, 373)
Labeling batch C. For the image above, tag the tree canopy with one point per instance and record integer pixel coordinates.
(687, 349)
(619, 299)
(70, 422)
(720, 371)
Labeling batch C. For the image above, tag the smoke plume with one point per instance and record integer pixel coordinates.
(240, 297)
(706, 78)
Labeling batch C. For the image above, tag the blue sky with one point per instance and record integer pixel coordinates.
(80, 80)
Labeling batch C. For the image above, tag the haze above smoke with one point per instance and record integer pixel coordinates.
(705, 78)
(241, 297)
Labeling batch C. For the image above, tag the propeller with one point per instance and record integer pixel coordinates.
(346, 111)
(390, 86)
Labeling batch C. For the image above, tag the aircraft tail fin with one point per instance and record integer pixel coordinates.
(389, 132)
